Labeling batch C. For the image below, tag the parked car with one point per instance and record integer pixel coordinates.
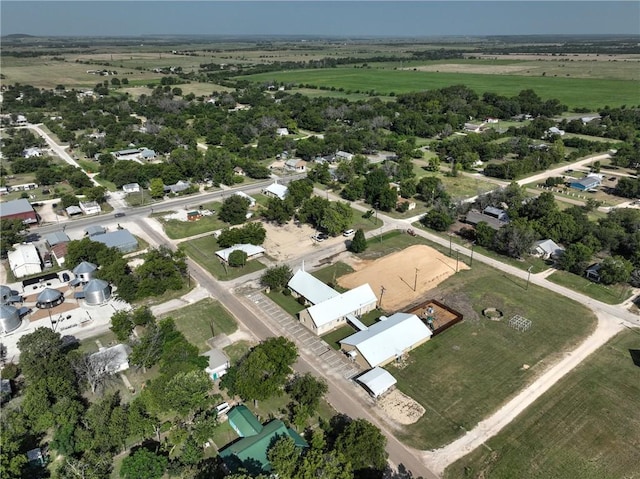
(317, 238)
(323, 236)
(65, 277)
(348, 232)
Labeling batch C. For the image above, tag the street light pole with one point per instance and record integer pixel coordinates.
(472, 245)
(528, 276)
(457, 258)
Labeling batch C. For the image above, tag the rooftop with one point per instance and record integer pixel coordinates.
(341, 305)
(314, 290)
(15, 207)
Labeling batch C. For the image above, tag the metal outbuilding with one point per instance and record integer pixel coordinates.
(49, 298)
(84, 272)
(96, 291)
(9, 318)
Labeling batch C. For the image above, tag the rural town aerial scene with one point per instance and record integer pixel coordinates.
(308, 239)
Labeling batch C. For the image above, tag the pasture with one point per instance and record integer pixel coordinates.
(586, 426)
(575, 92)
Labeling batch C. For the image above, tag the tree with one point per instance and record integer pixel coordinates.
(430, 188)
(515, 239)
(276, 277)
(187, 392)
(336, 218)
(615, 269)
(278, 210)
(12, 232)
(94, 369)
(363, 445)
(375, 183)
(306, 392)
(299, 190)
(237, 258)
(252, 233)
(156, 188)
(143, 464)
(437, 219)
(575, 258)
(234, 209)
(358, 243)
(284, 457)
(122, 325)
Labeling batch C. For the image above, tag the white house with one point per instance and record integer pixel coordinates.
(296, 164)
(332, 313)
(112, 360)
(307, 286)
(131, 188)
(377, 381)
(32, 152)
(251, 250)
(24, 260)
(386, 340)
(276, 190)
(252, 201)
(282, 132)
(90, 207)
(343, 155)
(218, 365)
(547, 249)
(555, 131)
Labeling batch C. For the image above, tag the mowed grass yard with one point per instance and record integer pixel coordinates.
(466, 373)
(574, 92)
(197, 320)
(585, 426)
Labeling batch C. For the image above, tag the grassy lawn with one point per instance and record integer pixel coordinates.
(223, 435)
(167, 296)
(334, 337)
(328, 274)
(288, 303)
(176, 229)
(475, 366)
(388, 243)
(202, 250)
(613, 294)
(140, 199)
(586, 426)
(197, 320)
(237, 350)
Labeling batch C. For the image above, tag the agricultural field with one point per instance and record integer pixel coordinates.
(585, 426)
(575, 92)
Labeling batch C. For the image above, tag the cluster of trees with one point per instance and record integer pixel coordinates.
(162, 269)
(251, 233)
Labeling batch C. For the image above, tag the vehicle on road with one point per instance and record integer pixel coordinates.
(348, 232)
(318, 238)
(119, 215)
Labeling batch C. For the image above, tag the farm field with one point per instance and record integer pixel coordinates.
(574, 92)
(585, 426)
(464, 374)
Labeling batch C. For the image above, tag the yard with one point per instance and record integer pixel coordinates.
(201, 321)
(176, 229)
(463, 375)
(202, 250)
(613, 294)
(586, 426)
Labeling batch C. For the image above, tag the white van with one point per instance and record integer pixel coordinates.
(222, 408)
(348, 232)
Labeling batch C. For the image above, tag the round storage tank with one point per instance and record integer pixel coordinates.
(85, 271)
(97, 291)
(9, 319)
(5, 293)
(49, 298)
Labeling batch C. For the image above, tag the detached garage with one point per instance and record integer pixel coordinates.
(377, 381)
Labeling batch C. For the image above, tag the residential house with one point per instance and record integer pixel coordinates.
(219, 363)
(147, 155)
(387, 340)
(31, 152)
(296, 164)
(554, 130)
(251, 250)
(585, 184)
(495, 218)
(250, 452)
(73, 210)
(90, 207)
(114, 359)
(252, 200)
(282, 132)
(343, 155)
(57, 237)
(546, 249)
(19, 209)
(411, 204)
(276, 190)
(332, 313)
(95, 230)
(121, 239)
(237, 170)
(179, 187)
(131, 188)
(593, 272)
(24, 260)
(59, 252)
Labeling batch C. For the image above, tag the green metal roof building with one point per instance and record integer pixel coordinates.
(250, 451)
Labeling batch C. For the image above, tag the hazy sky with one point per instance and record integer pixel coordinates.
(300, 17)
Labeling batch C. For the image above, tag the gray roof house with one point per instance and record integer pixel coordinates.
(56, 237)
(95, 230)
(496, 218)
(547, 249)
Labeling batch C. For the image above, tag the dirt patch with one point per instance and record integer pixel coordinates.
(400, 407)
(397, 274)
(291, 241)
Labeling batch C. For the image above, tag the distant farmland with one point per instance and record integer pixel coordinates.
(574, 92)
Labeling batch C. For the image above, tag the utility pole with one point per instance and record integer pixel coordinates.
(382, 290)
(415, 281)
(450, 236)
(457, 258)
(472, 245)
(528, 276)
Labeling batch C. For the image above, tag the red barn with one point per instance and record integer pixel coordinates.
(18, 209)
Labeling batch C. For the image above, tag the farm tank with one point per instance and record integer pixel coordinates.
(9, 319)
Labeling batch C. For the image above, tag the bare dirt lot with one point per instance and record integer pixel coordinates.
(290, 241)
(400, 407)
(397, 274)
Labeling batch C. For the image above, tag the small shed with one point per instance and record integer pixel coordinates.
(56, 237)
(35, 457)
(95, 230)
(377, 381)
(73, 210)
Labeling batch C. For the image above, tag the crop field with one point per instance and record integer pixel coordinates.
(465, 374)
(574, 92)
(586, 426)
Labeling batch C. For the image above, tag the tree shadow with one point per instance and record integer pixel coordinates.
(635, 356)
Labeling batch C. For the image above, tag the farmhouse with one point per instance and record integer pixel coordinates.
(251, 450)
(296, 165)
(112, 360)
(307, 286)
(546, 249)
(377, 381)
(332, 313)
(18, 210)
(90, 207)
(251, 250)
(386, 340)
(585, 184)
(121, 239)
(24, 260)
(276, 190)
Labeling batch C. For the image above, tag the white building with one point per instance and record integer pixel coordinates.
(251, 250)
(131, 188)
(90, 207)
(218, 365)
(113, 360)
(276, 190)
(282, 131)
(343, 155)
(24, 260)
(303, 284)
(386, 340)
(377, 381)
(332, 313)
(252, 201)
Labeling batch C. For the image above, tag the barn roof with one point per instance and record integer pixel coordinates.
(311, 288)
(341, 305)
(377, 380)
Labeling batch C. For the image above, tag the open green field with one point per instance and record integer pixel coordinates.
(586, 426)
(203, 251)
(201, 321)
(388, 243)
(466, 373)
(613, 294)
(574, 92)
(176, 229)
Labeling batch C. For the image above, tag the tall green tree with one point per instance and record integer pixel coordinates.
(234, 210)
(143, 464)
(363, 445)
(358, 243)
(12, 232)
(276, 277)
